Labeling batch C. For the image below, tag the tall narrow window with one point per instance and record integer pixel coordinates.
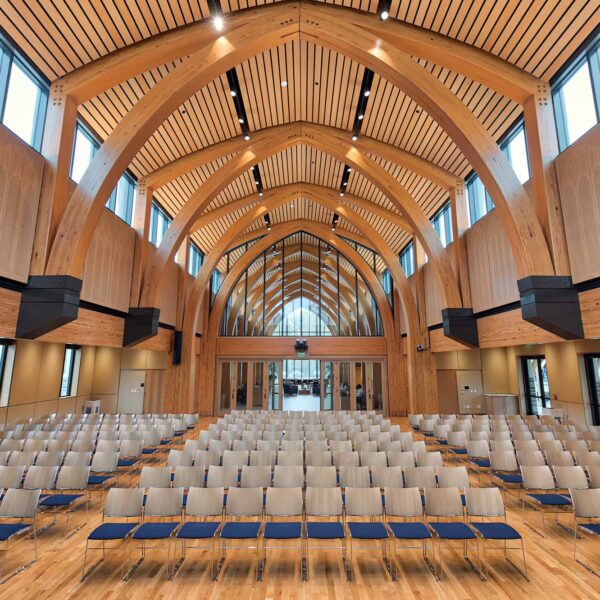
(407, 259)
(23, 107)
(574, 104)
(592, 367)
(442, 223)
(84, 148)
(159, 223)
(195, 259)
(515, 149)
(7, 353)
(535, 384)
(3, 353)
(70, 372)
(480, 202)
(121, 200)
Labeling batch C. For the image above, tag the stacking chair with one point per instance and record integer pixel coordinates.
(179, 458)
(242, 502)
(406, 503)
(457, 477)
(226, 477)
(201, 503)
(253, 477)
(356, 477)
(320, 476)
(346, 459)
(504, 467)
(103, 468)
(18, 505)
(373, 459)
(22, 459)
(155, 477)
(77, 459)
(162, 503)
(457, 444)
(206, 458)
(188, 477)
(290, 458)
(530, 458)
(446, 503)
(366, 502)
(487, 503)
(382, 477)
(538, 479)
(11, 477)
(586, 508)
(70, 479)
(121, 503)
(479, 455)
(236, 458)
(49, 459)
(282, 502)
(318, 458)
(327, 503)
(420, 477)
(288, 476)
(263, 458)
(561, 458)
(401, 459)
(429, 459)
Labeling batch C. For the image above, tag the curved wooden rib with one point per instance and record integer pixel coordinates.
(334, 144)
(106, 72)
(330, 29)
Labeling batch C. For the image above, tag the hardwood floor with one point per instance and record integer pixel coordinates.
(552, 570)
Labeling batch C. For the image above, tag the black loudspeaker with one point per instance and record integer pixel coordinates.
(177, 341)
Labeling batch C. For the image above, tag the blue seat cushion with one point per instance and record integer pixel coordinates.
(368, 531)
(443, 442)
(240, 530)
(154, 531)
(453, 530)
(149, 450)
(428, 433)
(509, 477)
(98, 479)
(325, 530)
(410, 531)
(57, 500)
(551, 499)
(198, 530)
(458, 450)
(164, 442)
(179, 433)
(7, 530)
(283, 531)
(591, 527)
(482, 463)
(497, 531)
(112, 531)
(126, 462)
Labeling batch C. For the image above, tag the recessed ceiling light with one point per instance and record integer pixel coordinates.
(246, 137)
(218, 21)
(361, 117)
(284, 83)
(367, 93)
(354, 137)
(384, 15)
(233, 93)
(341, 193)
(241, 120)
(260, 194)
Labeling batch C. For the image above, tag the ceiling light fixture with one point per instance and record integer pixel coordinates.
(233, 93)
(354, 137)
(284, 83)
(361, 117)
(384, 15)
(219, 23)
(247, 137)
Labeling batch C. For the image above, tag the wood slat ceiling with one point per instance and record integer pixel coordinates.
(535, 35)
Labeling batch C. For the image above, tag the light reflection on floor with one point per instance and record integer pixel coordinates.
(302, 402)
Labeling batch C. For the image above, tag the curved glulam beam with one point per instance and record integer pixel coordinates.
(338, 146)
(329, 29)
(189, 162)
(120, 65)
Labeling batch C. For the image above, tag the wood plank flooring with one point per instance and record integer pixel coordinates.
(552, 570)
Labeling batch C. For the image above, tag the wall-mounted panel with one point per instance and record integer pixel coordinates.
(492, 272)
(21, 170)
(108, 266)
(578, 173)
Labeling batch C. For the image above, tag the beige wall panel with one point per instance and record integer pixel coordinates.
(446, 361)
(107, 369)
(133, 359)
(67, 405)
(86, 370)
(26, 372)
(47, 407)
(108, 266)
(469, 359)
(20, 411)
(494, 371)
(21, 170)
(578, 173)
(447, 392)
(157, 360)
(50, 372)
(154, 391)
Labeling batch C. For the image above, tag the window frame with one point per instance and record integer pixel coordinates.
(8, 57)
(593, 385)
(546, 402)
(194, 250)
(590, 56)
(509, 137)
(71, 376)
(408, 249)
(3, 357)
(444, 213)
(155, 209)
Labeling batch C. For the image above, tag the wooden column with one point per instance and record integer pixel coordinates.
(542, 147)
(57, 147)
(460, 224)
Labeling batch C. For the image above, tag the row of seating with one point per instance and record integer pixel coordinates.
(308, 508)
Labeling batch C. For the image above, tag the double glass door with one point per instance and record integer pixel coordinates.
(293, 385)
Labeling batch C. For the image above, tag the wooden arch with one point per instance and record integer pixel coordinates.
(330, 27)
(334, 144)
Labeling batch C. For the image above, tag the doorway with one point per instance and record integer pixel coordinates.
(535, 384)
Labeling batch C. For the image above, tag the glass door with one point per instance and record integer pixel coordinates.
(275, 386)
(535, 384)
(256, 398)
(346, 391)
(375, 386)
(227, 376)
(327, 386)
(592, 367)
(241, 396)
(362, 385)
